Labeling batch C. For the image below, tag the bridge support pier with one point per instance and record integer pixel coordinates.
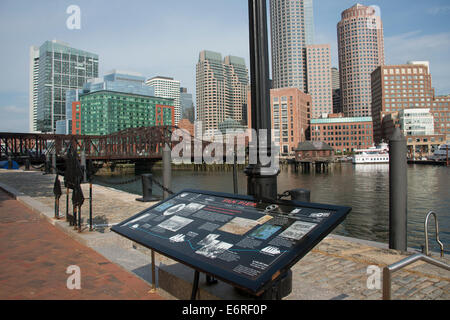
(143, 166)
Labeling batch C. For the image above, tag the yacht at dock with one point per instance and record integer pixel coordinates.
(374, 154)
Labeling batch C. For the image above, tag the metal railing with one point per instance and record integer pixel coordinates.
(387, 271)
(426, 250)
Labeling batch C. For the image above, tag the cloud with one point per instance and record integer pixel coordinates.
(13, 109)
(415, 45)
(438, 10)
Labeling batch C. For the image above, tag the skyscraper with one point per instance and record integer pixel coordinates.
(187, 105)
(361, 51)
(318, 62)
(61, 68)
(166, 87)
(33, 94)
(336, 87)
(292, 29)
(221, 87)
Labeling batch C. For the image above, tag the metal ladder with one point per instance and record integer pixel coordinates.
(424, 256)
(425, 250)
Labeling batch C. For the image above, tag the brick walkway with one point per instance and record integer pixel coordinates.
(34, 257)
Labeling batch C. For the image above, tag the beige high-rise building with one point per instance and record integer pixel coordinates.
(318, 61)
(360, 51)
(292, 29)
(221, 87)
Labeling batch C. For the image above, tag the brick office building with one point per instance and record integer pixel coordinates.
(343, 134)
(291, 113)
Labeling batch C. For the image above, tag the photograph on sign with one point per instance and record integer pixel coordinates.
(213, 249)
(297, 230)
(265, 231)
(175, 223)
(239, 226)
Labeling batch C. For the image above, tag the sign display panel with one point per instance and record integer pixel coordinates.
(235, 238)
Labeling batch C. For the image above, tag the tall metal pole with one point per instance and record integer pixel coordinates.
(262, 178)
(167, 170)
(397, 192)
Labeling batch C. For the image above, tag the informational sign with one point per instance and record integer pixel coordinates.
(235, 238)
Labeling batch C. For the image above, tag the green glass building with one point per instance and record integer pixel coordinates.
(105, 112)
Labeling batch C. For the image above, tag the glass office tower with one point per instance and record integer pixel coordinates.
(61, 68)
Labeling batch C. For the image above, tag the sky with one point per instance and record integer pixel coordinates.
(165, 37)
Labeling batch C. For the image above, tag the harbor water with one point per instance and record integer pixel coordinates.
(363, 187)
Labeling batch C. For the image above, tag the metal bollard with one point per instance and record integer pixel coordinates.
(167, 170)
(147, 189)
(90, 207)
(27, 164)
(53, 170)
(10, 163)
(83, 166)
(302, 195)
(67, 204)
(47, 166)
(397, 191)
(79, 219)
(56, 208)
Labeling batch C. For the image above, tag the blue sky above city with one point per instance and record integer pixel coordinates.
(165, 37)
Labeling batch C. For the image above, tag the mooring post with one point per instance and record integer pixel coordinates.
(302, 195)
(53, 170)
(147, 188)
(90, 207)
(167, 170)
(235, 181)
(27, 164)
(67, 204)
(83, 165)
(397, 192)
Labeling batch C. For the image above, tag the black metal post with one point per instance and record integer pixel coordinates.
(167, 170)
(53, 170)
(10, 163)
(300, 195)
(74, 218)
(56, 208)
(195, 285)
(147, 188)
(79, 219)
(397, 192)
(90, 207)
(262, 178)
(235, 181)
(67, 204)
(83, 165)
(27, 164)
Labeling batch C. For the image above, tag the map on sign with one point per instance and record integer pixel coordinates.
(235, 238)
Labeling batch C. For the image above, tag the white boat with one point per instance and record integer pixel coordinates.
(378, 154)
(441, 153)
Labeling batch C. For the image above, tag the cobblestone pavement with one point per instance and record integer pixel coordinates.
(334, 269)
(34, 257)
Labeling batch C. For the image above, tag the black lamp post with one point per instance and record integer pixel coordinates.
(261, 177)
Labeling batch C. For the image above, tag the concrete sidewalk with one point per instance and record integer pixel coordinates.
(34, 256)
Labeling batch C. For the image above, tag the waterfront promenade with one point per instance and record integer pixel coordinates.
(34, 257)
(334, 269)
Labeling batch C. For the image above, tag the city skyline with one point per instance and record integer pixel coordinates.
(416, 32)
